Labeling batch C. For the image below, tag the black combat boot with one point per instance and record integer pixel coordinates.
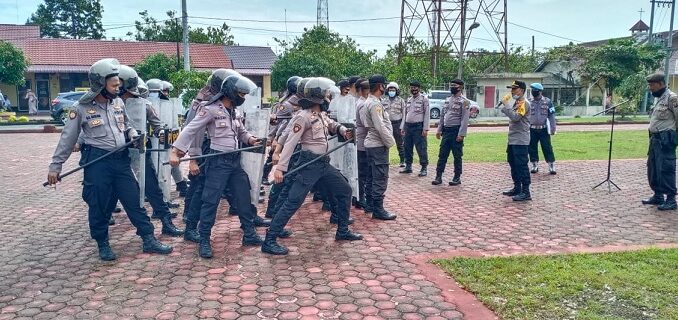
(152, 245)
(669, 204)
(286, 233)
(231, 211)
(456, 180)
(423, 172)
(335, 220)
(251, 238)
(191, 233)
(317, 196)
(516, 190)
(656, 199)
(169, 228)
(105, 251)
(271, 246)
(438, 180)
(369, 204)
(261, 222)
(182, 187)
(524, 195)
(346, 234)
(381, 213)
(205, 247)
(407, 169)
(326, 206)
(358, 204)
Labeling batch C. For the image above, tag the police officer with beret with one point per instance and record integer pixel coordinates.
(542, 126)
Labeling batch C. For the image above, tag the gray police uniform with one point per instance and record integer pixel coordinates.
(454, 123)
(417, 116)
(364, 169)
(310, 130)
(377, 143)
(394, 108)
(226, 132)
(518, 142)
(541, 111)
(104, 128)
(661, 161)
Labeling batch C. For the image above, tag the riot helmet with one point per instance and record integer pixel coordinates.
(292, 84)
(143, 88)
(217, 78)
(154, 85)
(300, 87)
(99, 73)
(317, 91)
(232, 87)
(129, 81)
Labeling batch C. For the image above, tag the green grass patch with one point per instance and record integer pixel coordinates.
(627, 285)
(593, 145)
(599, 119)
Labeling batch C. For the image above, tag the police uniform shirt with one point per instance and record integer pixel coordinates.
(417, 110)
(285, 114)
(196, 145)
(541, 111)
(360, 124)
(378, 124)
(519, 122)
(286, 131)
(223, 126)
(664, 114)
(394, 108)
(103, 126)
(310, 129)
(455, 112)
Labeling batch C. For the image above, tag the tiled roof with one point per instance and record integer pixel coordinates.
(18, 32)
(36, 68)
(254, 72)
(251, 57)
(640, 26)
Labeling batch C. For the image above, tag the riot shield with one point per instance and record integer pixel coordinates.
(346, 158)
(256, 123)
(252, 103)
(136, 113)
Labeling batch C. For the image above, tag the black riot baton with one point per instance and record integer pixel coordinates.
(72, 171)
(263, 145)
(319, 157)
(299, 151)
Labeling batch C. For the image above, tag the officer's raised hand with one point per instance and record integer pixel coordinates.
(52, 178)
(175, 155)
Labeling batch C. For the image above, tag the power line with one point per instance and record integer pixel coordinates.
(294, 21)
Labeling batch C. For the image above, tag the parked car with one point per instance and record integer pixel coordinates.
(436, 99)
(62, 104)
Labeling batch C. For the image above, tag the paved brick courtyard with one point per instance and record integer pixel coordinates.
(49, 267)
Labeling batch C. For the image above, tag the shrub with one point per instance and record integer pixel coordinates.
(22, 119)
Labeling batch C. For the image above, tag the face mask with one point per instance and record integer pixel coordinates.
(238, 100)
(108, 95)
(516, 96)
(325, 106)
(535, 93)
(659, 92)
(391, 94)
(454, 90)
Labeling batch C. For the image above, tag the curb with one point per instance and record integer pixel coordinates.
(45, 129)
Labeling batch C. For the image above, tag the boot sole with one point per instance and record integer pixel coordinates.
(172, 234)
(384, 218)
(158, 251)
(108, 258)
(274, 253)
(347, 239)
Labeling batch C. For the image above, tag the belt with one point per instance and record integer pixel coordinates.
(414, 123)
(98, 151)
(234, 155)
(538, 127)
(452, 127)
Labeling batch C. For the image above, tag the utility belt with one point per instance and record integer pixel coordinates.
(97, 152)
(414, 124)
(306, 156)
(451, 128)
(537, 127)
(229, 156)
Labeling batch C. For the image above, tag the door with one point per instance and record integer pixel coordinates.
(489, 96)
(42, 91)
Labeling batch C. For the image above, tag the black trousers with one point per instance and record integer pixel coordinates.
(193, 199)
(661, 162)
(221, 171)
(449, 143)
(364, 171)
(398, 139)
(285, 186)
(322, 173)
(541, 136)
(413, 139)
(111, 175)
(517, 159)
(377, 180)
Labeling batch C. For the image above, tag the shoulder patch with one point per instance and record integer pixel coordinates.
(202, 113)
(297, 128)
(91, 111)
(378, 108)
(72, 114)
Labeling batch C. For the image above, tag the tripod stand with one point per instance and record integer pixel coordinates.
(610, 183)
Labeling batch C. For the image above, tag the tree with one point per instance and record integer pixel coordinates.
(159, 66)
(13, 64)
(76, 19)
(188, 83)
(171, 30)
(318, 52)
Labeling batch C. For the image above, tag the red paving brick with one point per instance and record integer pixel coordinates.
(49, 266)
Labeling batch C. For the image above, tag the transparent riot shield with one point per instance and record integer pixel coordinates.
(346, 158)
(136, 113)
(256, 123)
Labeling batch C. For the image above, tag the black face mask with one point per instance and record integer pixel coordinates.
(659, 92)
(238, 101)
(455, 90)
(108, 95)
(325, 106)
(535, 93)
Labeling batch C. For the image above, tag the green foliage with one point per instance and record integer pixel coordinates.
(158, 66)
(171, 30)
(320, 52)
(11, 118)
(76, 19)
(13, 64)
(188, 83)
(631, 88)
(22, 119)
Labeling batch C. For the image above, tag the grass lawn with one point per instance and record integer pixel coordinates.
(491, 147)
(627, 285)
(637, 118)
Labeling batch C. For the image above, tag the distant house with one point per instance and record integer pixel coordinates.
(61, 65)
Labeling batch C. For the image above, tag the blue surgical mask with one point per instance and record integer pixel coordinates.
(516, 97)
(391, 94)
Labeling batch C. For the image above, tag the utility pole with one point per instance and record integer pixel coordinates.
(651, 20)
(462, 37)
(669, 44)
(184, 24)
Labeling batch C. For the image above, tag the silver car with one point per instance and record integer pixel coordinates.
(436, 100)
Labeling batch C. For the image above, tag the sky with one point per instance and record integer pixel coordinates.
(376, 24)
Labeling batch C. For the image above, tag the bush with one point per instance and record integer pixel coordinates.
(11, 118)
(22, 119)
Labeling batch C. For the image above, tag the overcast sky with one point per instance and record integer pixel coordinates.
(558, 22)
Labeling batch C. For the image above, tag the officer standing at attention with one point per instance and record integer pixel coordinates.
(310, 129)
(379, 139)
(661, 158)
(452, 128)
(415, 129)
(100, 115)
(394, 105)
(226, 131)
(364, 169)
(541, 112)
(518, 141)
